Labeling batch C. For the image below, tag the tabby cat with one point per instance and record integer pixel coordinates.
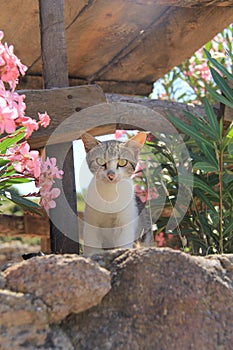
(112, 215)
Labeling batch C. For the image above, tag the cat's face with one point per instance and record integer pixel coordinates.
(112, 161)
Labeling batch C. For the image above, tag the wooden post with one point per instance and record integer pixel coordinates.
(63, 223)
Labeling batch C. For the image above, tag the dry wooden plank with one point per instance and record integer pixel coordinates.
(101, 119)
(104, 30)
(60, 105)
(122, 45)
(194, 3)
(161, 47)
(63, 223)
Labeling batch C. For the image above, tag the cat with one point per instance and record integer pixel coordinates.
(112, 211)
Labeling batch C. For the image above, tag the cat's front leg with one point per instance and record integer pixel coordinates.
(92, 241)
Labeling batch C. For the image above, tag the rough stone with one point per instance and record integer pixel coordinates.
(67, 283)
(11, 252)
(160, 299)
(23, 321)
(2, 280)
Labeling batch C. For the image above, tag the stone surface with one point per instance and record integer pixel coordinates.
(23, 321)
(160, 299)
(11, 252)
(67, 283)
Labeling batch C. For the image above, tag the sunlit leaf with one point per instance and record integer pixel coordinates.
(205, 166)
(9, 141)
(221, 83)
(24, 203)
(219, 66)
(219, 97)
(205, 199)
(189, 130)
(211, 116)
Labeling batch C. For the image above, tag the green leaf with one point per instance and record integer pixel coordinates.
(219, 97)
(205, 166)
(210, 155)
(229, 133)
(200, 124)
(202, 185)
(221, 83)
(24, 203)
(189, 130)
(10, 140)
(18, 180)
(228, 230)
(211, 116)
(230, 149)
(219, 66)
(205, 199)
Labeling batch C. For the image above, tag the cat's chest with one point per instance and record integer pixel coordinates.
(110, 206)
(110, 198)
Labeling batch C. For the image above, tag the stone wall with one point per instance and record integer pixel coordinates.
(134, 299)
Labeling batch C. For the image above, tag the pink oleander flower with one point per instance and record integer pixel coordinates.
(49, 169)
(49, 172)
(160, 239)
(48, 196)
(10, 65)
(30, 125)
(119, 134)
(7, 117)
(145, 194)
(23, 160)
(44, 119)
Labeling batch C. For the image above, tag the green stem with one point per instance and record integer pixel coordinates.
(221, 194)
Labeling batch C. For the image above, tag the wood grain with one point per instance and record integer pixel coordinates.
(122, 45)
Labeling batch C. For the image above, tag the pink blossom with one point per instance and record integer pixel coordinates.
(24, 160)
(30, 125)
(50, 168)
(10, 65)
(160, 239)
(119, 134)
(44, 119)
(49, 172)
(7, 117)
(47, 197)
(145, 194)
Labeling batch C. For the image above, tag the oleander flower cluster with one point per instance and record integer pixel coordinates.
(18, 163)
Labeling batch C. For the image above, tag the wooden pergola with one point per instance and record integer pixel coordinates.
(123, 46)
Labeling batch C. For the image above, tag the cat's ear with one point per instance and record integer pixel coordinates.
(137, 141)
(89, 141)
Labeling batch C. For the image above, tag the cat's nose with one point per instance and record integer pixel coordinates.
(111, 175)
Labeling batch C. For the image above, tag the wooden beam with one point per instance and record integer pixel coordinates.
(68, 125)
(193, 3)
(63, 225)
(60, 104)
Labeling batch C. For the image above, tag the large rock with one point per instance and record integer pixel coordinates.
(23, 321)
(66, 284)
(160, 299)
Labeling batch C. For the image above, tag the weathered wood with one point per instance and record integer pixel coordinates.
(55, 73)
(131, 61)
(194, 3)
(60, 104)
(123, 46)
(53, 43)
(71, 117)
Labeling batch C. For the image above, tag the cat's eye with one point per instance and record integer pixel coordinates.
(101, 161)
(122, 162)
